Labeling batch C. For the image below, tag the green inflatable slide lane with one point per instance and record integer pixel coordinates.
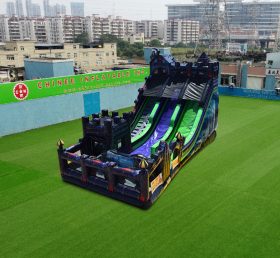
(170, 129)
(152, 122)
(190, 121)
(139, 114)
(186, 124)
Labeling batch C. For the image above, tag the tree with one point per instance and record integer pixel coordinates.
(180, 45)
(155, 43)
(108, 38)
(191, 44)
(82, 38)
(123, 47)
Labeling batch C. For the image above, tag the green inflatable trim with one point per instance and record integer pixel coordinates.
(188, 150)
(149, 124)
(153, 121)
(139, 114)
(169, 131)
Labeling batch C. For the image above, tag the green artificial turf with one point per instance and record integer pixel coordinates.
(223, 203)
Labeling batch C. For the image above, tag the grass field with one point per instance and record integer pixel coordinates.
(224, 203)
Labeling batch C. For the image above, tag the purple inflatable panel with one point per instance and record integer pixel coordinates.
(159, 131)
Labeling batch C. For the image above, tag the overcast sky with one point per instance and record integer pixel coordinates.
(131, 9)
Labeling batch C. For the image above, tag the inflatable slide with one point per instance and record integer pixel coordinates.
(133, 158)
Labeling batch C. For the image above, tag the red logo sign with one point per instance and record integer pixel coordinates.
(20, 91)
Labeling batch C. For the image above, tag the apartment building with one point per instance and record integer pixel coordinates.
(135, 38)
(32, 10)
(88, 59)
(179, 30)
(96, 26)
(15, 31)
(77, 9)
(64, 29)
(56, 33)
(93, 26)
(10, 9)
(72, 27)
(4, 28)
(53, 10)
(42, 31)
(151, 29)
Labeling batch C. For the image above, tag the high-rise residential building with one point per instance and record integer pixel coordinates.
(15, 29)
(151, 29)
(4, 28)
(72, 27)
(93, 26)
(46, 4)
(77, 9)
(32, 10)
(36, 10)
(53, 10)
(19, 8)
(179, 30)
(28, 5)
(27, 29)
(55, 25)
(42, 32)
(58, 10)
(117, 26)
(10, 9)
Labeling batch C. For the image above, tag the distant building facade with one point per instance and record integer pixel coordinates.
(10, 9)
(151, 29)
(32, 10)
(19, 8)
(179, 30)
(262, 16)
(77, 9)
(135, 38)
(65, 28)
(4, 28)
(87, 59)
(53, 10)
(255, 16)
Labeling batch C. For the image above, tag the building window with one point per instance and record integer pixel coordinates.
(270, 62)
(10, 57)
(99, 62)
(15, 49)
(107, 54)
(113, 53)
(85, 54)
(68, 55)
(22, 48)
(74, 46)
(75, 55)
(228, 80)
(42, 55)
(58, 55)
(113, 45)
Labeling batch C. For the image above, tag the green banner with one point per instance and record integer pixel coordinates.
(34, 89)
